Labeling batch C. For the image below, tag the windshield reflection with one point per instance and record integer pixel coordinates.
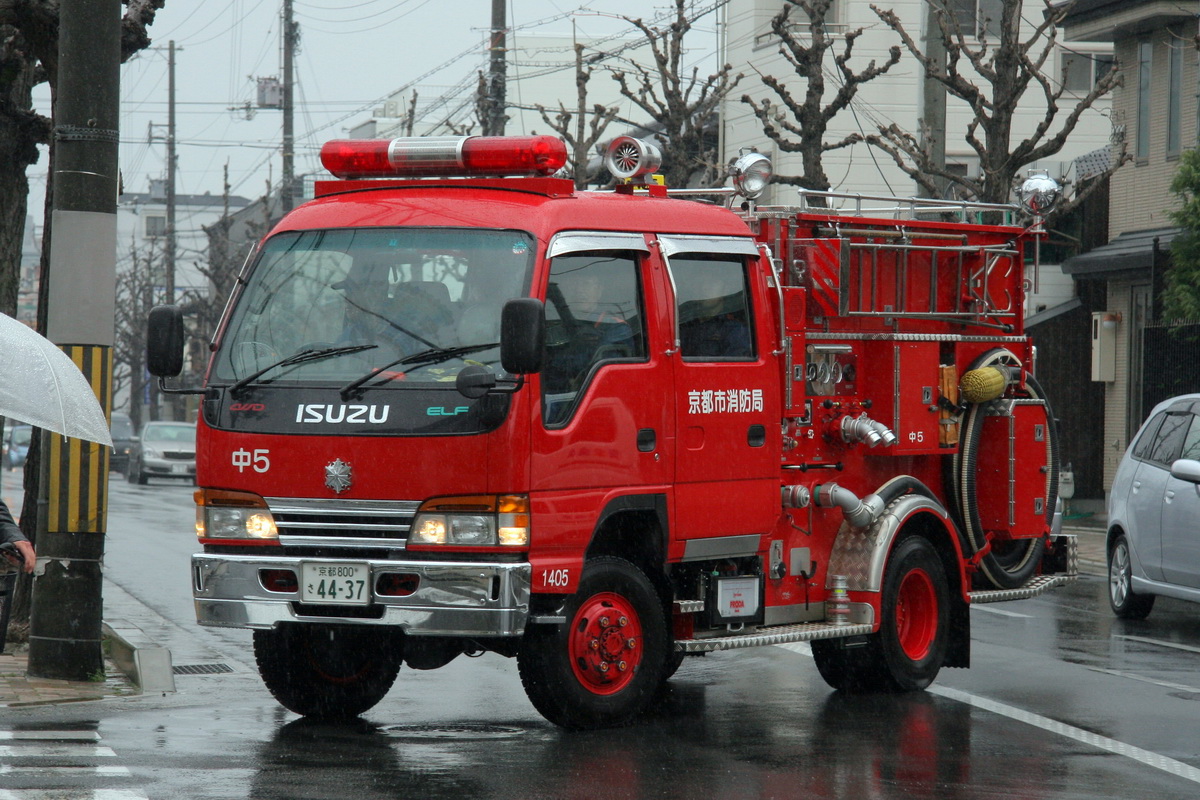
(380, 299)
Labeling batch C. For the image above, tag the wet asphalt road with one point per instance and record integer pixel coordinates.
(1063, 701)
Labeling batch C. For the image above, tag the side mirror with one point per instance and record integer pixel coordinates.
(1186, 469)
(522, 335)
(164, 341)
(475, 381)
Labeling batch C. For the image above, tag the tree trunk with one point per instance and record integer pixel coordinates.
(17, 152)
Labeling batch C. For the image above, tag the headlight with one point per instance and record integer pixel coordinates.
(474, 521)
(223, 515)
(151, 452)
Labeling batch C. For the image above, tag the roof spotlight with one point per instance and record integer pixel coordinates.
(751, 173)
(1039, 193)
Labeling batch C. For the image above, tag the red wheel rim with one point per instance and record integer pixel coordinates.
(605, 643)
(916, 614)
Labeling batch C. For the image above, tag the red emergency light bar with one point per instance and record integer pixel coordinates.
(444, 156)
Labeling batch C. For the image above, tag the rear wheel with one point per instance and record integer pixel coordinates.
(602, 668)
(327, 671)
(1125, 604)
(909, 648)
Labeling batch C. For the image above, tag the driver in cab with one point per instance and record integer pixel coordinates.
(592, 331)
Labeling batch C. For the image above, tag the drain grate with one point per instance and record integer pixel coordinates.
(201, 669)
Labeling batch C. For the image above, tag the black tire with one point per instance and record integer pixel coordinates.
(674, 662)
(328, 671)
(908, 650)
(1125, 603)
(604, 666)
(849, 665)
(132, 474)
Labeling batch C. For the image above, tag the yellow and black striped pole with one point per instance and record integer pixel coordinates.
(80, 298)
(77, 471)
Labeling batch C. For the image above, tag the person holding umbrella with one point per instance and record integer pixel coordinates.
(11, 534)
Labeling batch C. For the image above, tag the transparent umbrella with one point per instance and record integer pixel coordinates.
(41, 386)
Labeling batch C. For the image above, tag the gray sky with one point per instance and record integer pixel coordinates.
(353, 54)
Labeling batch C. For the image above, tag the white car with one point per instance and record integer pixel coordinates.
(1154, 512)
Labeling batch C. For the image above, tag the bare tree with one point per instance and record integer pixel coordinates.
(684, 107)
(136, 295)
(993, 78)
(29, 57)
(805, 41)
(580, 131)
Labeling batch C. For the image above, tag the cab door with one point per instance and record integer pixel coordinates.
(727, 399)
(605, 427)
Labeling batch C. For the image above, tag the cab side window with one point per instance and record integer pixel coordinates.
(712, 307)
(593, 316)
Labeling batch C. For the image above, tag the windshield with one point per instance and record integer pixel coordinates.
(122, 428)
(370, 298)
(184, 434)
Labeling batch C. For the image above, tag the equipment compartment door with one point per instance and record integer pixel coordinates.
(727, 402)
(1012, 470)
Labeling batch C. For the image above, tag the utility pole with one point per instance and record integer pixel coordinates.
(291, 35)
(170, 255)
(933, 93)
(160, 404)
(493, 122)
(64, 625)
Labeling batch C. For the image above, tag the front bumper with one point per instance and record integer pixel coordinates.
(168, 468)
(451, 599)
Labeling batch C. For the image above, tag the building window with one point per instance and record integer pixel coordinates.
(1082, 71)
(1174, 91)
(979, 19)
(1142, 142)
(156, 226)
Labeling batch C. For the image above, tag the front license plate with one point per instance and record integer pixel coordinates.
(179, 469)
(335, 583)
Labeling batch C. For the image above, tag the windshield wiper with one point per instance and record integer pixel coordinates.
(299, 358)
(434, 355)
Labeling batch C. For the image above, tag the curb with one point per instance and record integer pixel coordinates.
(145, 664)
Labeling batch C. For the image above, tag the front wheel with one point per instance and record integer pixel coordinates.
(908, 650)
(602, 668)
(327, 671)
(1125, 604)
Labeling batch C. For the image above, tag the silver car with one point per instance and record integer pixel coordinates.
(164, 450)
(1154, 512)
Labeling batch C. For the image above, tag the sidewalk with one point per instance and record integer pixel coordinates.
(18, 690)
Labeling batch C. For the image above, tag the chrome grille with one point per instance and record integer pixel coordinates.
(341, 522)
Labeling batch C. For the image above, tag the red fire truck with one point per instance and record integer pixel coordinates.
(456, 405)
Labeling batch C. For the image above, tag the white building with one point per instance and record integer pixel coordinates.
(896, 96)
(142, 227)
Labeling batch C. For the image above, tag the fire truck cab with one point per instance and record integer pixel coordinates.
(456, 405)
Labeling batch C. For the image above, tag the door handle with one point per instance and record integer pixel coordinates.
(756, 436)
(647, 440)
